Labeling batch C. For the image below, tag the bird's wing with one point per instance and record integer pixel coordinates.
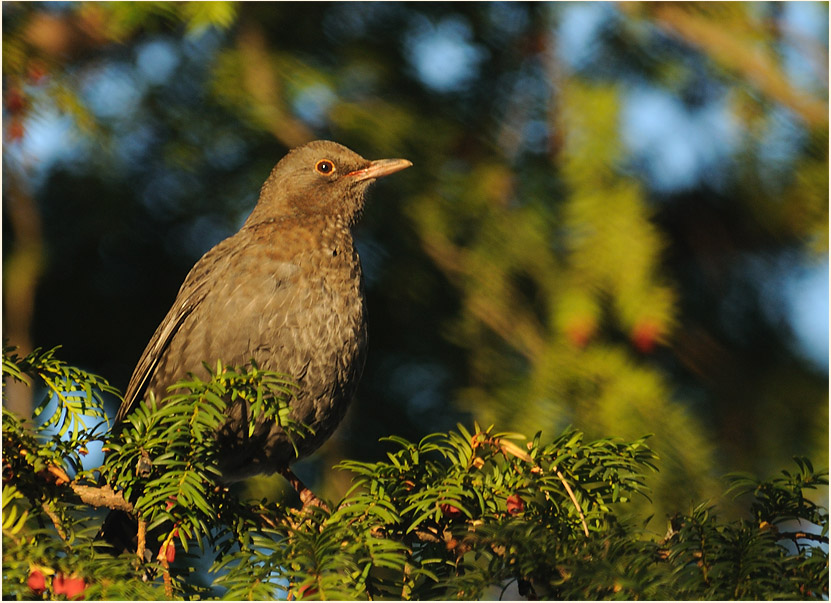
(189, 297)
(220, 267)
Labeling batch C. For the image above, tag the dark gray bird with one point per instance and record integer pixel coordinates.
(285, 291)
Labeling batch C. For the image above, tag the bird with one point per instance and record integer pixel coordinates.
(285, 292)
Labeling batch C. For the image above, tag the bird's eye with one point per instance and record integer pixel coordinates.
(325, 167)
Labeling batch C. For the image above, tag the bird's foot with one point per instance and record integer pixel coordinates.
(307, 497)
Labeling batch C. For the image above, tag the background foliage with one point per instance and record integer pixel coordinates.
(608, 225)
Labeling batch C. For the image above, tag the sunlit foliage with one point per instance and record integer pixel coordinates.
(458, 515)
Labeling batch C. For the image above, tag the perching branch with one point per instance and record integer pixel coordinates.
(104, 496)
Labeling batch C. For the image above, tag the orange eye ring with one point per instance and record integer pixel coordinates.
(324, 167)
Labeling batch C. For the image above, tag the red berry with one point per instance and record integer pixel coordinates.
(515, 504)
(450, 511)
(645, 336)
(37, 581)
(36, 71)
(15, 100)
(580, 330)
(15, 130)
(168, 552)
(306, 591)
(73, 586)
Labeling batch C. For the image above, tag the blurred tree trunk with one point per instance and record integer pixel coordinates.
(22, 269)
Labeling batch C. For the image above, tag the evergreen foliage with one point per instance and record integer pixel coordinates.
(603, 227)
(457, 515)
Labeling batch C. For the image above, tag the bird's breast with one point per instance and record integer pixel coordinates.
(317, 317)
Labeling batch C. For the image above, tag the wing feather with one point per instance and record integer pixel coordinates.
(190, 295)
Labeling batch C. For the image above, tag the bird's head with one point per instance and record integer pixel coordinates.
(321, 178)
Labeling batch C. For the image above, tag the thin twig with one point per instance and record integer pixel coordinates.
(168, 584)
(141, 538)
(574, 500)
(806, 535)
(163, 559)
(405, 584)
(55, 520)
